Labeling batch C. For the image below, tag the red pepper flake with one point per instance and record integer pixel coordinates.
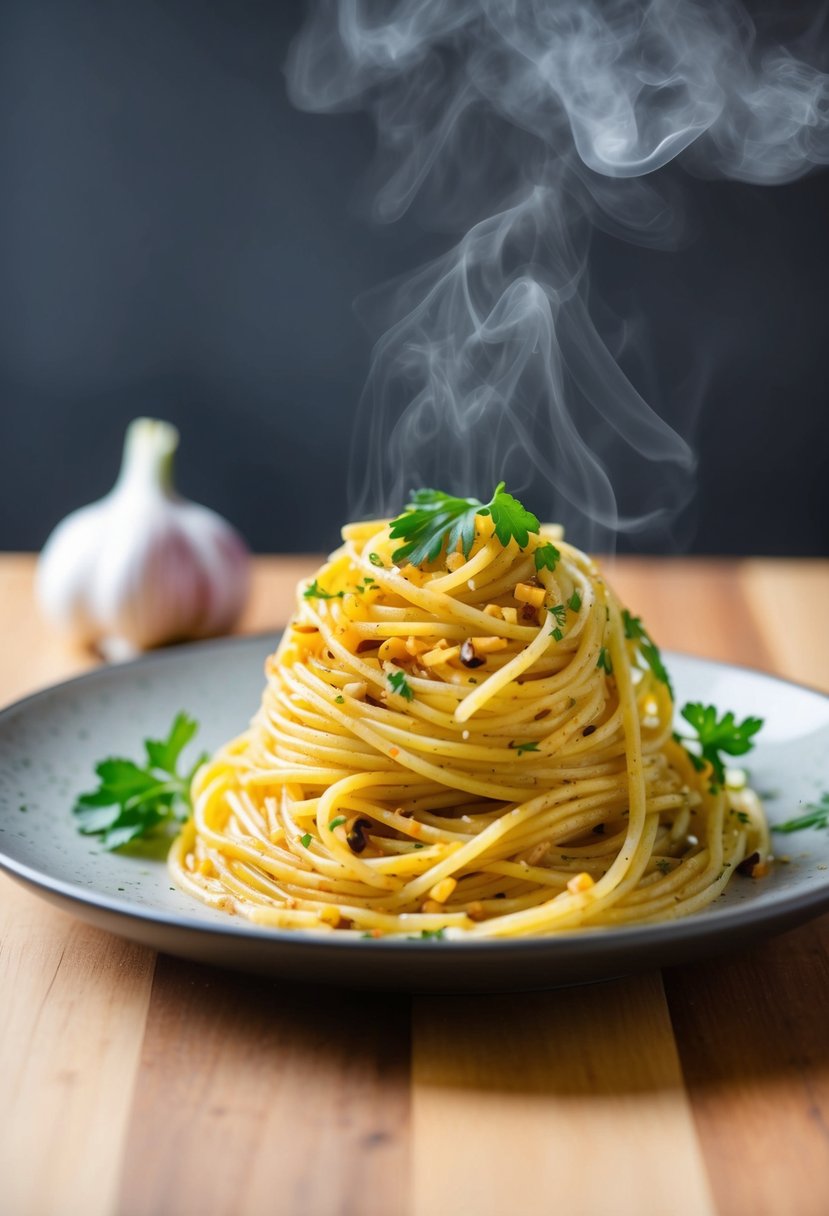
(394, 752)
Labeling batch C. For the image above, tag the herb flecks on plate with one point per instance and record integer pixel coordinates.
(132, 800)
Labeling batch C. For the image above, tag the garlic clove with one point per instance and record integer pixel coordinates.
(143, 566)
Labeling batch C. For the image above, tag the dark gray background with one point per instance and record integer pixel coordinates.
(176, 240)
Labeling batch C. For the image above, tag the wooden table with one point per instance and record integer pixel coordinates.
(145, 1086)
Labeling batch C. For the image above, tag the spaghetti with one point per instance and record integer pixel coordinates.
(472, 746)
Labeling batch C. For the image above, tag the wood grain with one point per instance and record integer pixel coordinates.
(754, 1047)
(520, 1102)
(71, 1026)
(135, 1087)
(269, 1096)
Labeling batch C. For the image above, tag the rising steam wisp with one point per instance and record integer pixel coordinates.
(521, 124)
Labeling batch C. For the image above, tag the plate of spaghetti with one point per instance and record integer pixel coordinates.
(468, 767)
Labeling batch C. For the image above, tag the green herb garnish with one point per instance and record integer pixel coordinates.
(399, 684)
(434, 935)
(339, 700)
(433, 520)
(546, 556)
(305, 840)
(574, 602)
(524, 747)
(717, 736)
(335, 823)
(818, 817)
(316, 592)
(559, 614)
(604, 661)
(131, 801)
(636, 632)
(376, 560)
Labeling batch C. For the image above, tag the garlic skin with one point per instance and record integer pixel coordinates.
(143, 566)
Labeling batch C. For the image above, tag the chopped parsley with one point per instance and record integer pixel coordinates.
(335, 823)
(132, 800)
(305, 840)
(316, 592)
(433, 520)
(433, 935)
(339, 700)
(559, 614)
(399, 684)
(663, 865)
(376, 560)
(524, 747)
(635, 631)
(818, 817)
(546, 557)
(604, 661)
(716, 737)
(574, 602)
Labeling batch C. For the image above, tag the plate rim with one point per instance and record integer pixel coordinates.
(712, 922)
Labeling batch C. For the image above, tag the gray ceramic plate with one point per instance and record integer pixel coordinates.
(49, 744)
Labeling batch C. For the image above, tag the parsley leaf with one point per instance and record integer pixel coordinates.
(574, 602)
(524, 747)
(604, 661)
(434, 935)
(718, 736)
(316, 592)
(546, 557)
(305, 840)
(335, 823)
(559, 614)
(132, 801)
(399, 684)
(376, 560)
(635, 631)
(818, 817)
(433, 520)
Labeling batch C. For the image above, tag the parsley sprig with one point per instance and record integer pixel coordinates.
(818, 817)
(132, 800)
(433, 520)
(716, 737)
(648, 649)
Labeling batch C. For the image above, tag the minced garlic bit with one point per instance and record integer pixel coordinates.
(440, 654)
(525, 594)
(579, 883)
(488, 645)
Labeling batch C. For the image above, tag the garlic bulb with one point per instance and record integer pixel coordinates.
(143, 566)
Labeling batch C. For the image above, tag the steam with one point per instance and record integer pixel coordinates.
(521, 125)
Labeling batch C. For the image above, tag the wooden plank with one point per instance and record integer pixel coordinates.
(71, 1021)
(751, 1030)
(569, 1100)
(695, 605)
(263, 1100)
(789, 602)
(752, 1037)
